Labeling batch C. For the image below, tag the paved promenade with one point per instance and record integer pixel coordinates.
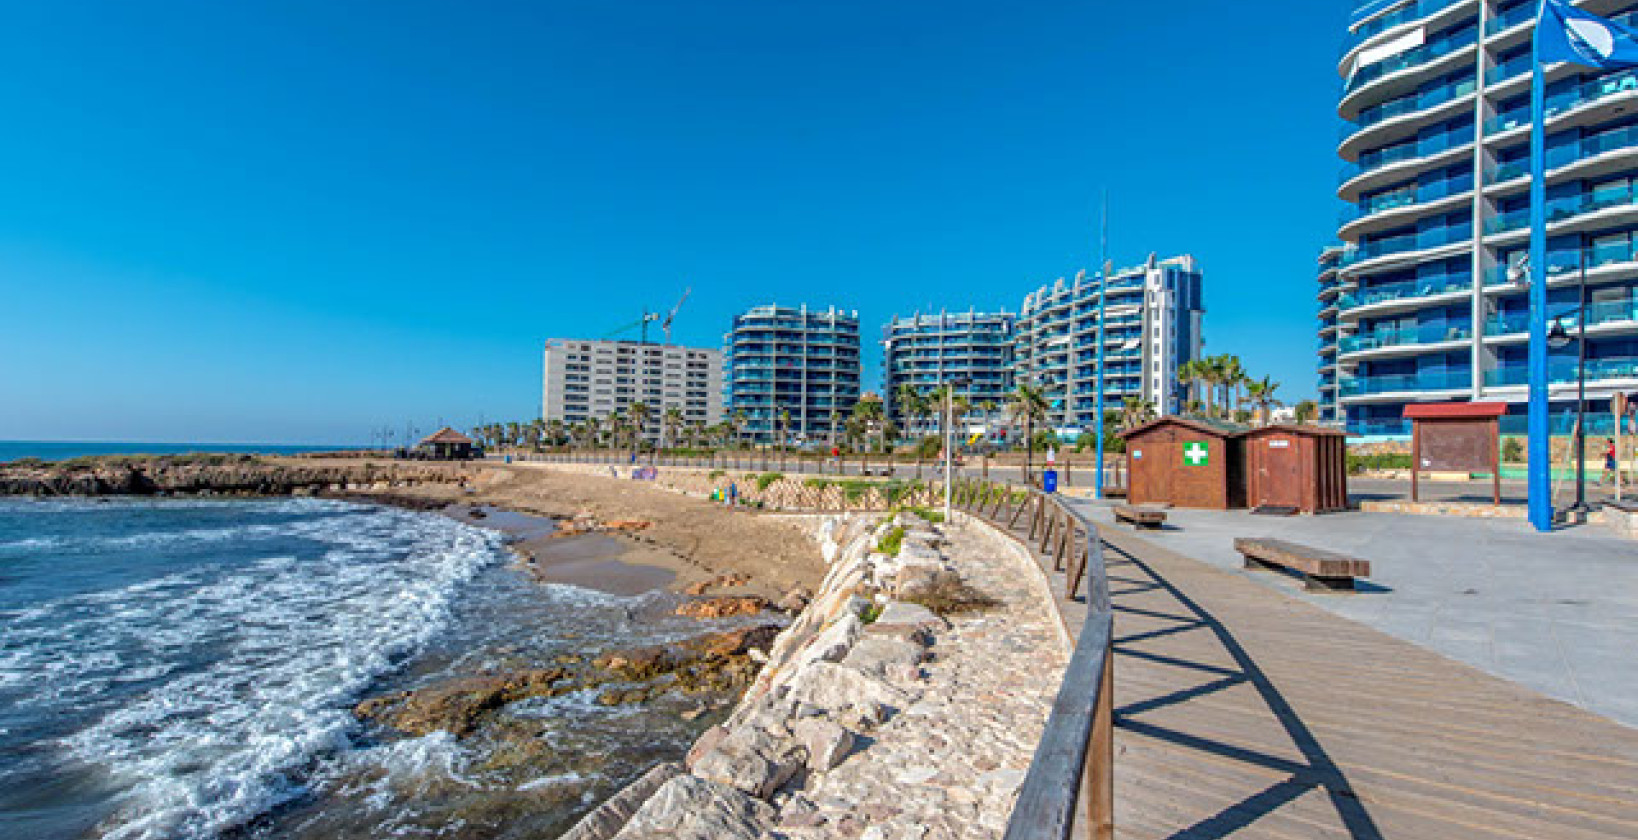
(1557, 613)
(1245, 712)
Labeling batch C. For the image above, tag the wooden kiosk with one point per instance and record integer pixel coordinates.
(1456, 437)
(1186, 462)
(1297, 469)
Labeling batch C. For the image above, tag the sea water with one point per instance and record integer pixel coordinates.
(187, 669)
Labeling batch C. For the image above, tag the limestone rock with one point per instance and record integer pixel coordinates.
(826, 743)
(725, 606)
(607, 819)
(751, 759)
(690, 808)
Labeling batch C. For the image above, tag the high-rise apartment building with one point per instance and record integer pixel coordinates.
(927, 351)
(587, 380)
(793, 362)
(1435, 99)
(1329, 410)
(1154, 316)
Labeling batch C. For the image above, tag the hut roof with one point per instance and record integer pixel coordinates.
(1209, 425)
(1291, 428)
(1453, 411)
(446, 435)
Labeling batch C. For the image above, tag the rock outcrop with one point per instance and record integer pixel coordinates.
(850, 662)
(237, 475)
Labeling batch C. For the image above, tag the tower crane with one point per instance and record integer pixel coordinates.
(666, 326)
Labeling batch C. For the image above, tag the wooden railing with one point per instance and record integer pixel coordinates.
(1074, 764)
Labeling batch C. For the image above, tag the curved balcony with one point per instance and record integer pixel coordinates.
(1402, 74)
(1408, 248)
(1403, 385)
(1394, 295)
(1602, 317)
(1566, 215)
(1378, 342)
(1564, 372)
(1396, 163)
(1401, 207)
(1365, 34)
(1400, 118)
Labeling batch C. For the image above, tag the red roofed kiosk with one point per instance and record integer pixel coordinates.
(1456, 437)
(446, 444)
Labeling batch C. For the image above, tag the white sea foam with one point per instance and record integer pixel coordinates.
(258, 666)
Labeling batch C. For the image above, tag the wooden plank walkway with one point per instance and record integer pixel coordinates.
(1243, 713)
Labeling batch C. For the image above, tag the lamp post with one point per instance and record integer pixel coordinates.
(949, 449)
(1558, 337)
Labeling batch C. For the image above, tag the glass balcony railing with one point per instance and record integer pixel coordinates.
(1406, 105)
(1582, 94)
(1598, 314)
(1412, 11)
(1360, 386)
(1510, 18)
(1406, 243)
(1405, 60)
(1379, 339)
(1565, 208)
(1372, 161)
(1405, 290)
(1563, 371)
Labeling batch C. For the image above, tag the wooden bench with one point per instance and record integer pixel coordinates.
(1325, 571)
(1140, 517)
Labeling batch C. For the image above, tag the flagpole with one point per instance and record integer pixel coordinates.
(1539, 475)
(1103, 298)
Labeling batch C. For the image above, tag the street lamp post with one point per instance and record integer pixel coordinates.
(949, 449)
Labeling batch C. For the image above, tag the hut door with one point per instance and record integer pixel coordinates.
(1151, 473)
(1279, 473)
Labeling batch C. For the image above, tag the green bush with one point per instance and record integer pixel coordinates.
(1513, 450)
(891, 543)
(928, 447)
(716, 474)
(817, 483)
(765, 480)
(1379, 461)
(933, 516)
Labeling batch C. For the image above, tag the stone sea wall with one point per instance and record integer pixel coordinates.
(774, 491)
(874, 716)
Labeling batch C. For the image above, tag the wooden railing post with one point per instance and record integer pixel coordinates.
(1099, 789)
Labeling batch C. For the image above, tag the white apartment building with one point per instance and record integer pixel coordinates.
(587, 380)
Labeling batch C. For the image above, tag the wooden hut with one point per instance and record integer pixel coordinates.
(1303, 469)
(446, 444)
(1186, 462)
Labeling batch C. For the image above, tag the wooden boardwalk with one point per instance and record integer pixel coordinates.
(1243, 713)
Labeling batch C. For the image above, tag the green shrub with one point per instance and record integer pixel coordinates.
(1513, 450)
(716, 474)
(891, 543)
(929, 447)
(1379, 461)
(933, 516)
(765, 480)
(871, 613)
(817, 483)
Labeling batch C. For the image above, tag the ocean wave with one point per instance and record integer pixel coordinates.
(257, 667)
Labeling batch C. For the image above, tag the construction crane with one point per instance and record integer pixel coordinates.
(648, 318)
(673, 316)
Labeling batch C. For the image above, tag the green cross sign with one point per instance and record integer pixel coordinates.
(1195, 454)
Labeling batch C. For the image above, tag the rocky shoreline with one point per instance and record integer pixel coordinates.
(838, 686)
(222, 475)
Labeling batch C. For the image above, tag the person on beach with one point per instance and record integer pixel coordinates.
(733, 494)
(1611, 466)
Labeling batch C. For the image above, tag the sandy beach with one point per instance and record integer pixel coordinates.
(682, 541)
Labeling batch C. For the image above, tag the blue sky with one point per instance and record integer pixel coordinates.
(298, 221)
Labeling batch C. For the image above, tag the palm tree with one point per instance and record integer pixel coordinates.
(671, 422)
(1134, 412)
(1262, 396)
(1027, 403)
(736, 424)
(784, 429)
(1235, 380)
(869, 414)
(1305, 412)
(910, 403)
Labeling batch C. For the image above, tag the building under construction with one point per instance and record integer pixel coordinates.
(589, 380)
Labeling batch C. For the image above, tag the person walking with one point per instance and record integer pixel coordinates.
(1612, 465)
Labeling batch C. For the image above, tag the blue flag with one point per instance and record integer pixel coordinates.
(1565, 33)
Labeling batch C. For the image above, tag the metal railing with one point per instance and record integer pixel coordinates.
(1073, 772)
